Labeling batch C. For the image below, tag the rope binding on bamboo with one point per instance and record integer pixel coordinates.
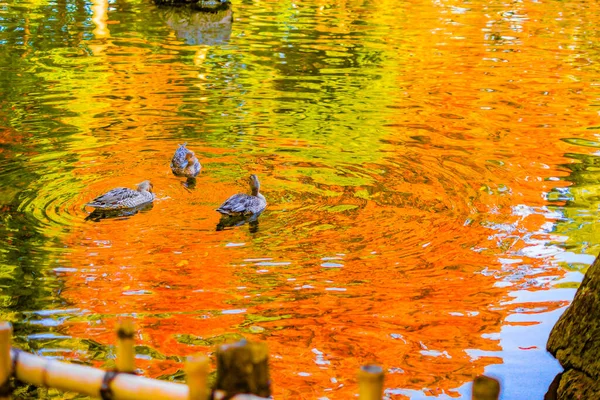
(124, 334)
(106, 392)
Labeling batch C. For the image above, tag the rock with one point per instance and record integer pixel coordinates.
(576, 385)
(211, 5)
(575, 341)
(174, 2)
(199, 5)
(197, 27)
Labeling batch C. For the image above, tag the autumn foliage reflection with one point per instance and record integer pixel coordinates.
(399, 168)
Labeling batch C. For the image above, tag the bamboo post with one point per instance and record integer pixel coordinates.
(196, 370)
(370, 382)
(125, 349)
(485, 388)
(243, 367)
(5, 360)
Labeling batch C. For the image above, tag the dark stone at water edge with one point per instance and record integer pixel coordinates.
(575, 341)
(197, 27)
(198, 5)
(576, 385)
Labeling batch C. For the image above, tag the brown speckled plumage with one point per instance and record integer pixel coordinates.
(120, 198)
(185, 163)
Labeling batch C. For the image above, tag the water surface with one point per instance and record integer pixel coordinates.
(430, 168)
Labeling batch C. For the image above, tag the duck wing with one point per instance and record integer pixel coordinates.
(195, 168)
(238, 204)
(179, 161)
(115, 198)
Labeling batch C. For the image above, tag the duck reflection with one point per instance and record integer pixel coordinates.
(190, 183)
(98, 215)
(204, 22)
(230, 221)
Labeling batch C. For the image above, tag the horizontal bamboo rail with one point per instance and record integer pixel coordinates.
(242, 374)
(118, 385)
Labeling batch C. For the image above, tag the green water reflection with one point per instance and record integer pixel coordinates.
(434, 147)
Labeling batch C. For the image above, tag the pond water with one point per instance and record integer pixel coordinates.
(431, 169)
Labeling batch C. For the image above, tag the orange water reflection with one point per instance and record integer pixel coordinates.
(403, 163)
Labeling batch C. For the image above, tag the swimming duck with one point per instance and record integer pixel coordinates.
(121, 197)
(185, 163)
(244, 204)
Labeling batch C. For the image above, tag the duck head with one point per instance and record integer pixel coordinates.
(190, 157)
(145, 186)
(254, 184)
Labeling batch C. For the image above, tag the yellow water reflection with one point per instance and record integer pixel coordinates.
(411, 155)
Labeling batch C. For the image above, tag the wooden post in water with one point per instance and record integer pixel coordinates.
(196, 370)
(243, 367)
(5, 360)
(370, 382)
(125, 349)
(485, 388)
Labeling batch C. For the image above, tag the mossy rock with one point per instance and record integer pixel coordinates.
(577, 385)
(575, 339)
(198, 5)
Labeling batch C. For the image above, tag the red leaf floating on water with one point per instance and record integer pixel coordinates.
(528, 348)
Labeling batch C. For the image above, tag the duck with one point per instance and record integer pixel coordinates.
(244, 204)
(121, 198)
(185, 163)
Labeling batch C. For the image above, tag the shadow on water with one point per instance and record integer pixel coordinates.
(190, 183)
(98, 215)
(230, 221)
(197, 24)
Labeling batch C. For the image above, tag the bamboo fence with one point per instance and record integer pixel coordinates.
(242, 374)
